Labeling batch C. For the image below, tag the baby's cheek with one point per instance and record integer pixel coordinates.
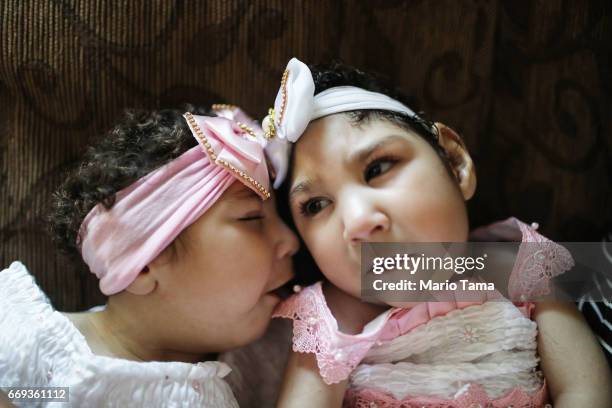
(451, 222)
(329, 252)
(341, 273)
(434, 215)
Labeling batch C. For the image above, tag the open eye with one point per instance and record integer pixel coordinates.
(313, 206)
(377, 167)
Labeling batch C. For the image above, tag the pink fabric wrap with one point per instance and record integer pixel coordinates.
(149, 214)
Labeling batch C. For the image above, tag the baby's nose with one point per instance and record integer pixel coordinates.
(363, 223)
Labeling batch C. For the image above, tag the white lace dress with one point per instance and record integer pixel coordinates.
(40, 347)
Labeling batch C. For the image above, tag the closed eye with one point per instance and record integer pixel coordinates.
(253, 215)
(252, 218)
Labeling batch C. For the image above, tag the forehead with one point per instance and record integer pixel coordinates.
(335, 139)
(238, 191)
(236, 195)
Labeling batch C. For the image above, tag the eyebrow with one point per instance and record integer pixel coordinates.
(364, 152)
(301, 187)
(359, 155)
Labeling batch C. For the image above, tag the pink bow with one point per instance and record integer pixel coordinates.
(236, 142)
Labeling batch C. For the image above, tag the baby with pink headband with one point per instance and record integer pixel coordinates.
(175, 216)
(361, 166)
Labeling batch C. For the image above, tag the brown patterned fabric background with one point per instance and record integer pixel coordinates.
(527, 83)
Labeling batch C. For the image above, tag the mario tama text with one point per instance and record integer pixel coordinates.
(431, 285)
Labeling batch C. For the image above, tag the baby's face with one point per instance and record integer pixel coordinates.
(369, 183)
(218, 279)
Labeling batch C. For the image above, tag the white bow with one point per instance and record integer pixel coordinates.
(296, 106)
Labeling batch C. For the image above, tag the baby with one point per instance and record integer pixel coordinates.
(173, 213)
(366, 168)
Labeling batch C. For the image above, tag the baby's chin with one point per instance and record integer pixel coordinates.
(250, 334)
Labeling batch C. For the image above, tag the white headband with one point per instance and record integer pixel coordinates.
(296, 105)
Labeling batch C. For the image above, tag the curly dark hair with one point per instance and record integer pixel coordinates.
(143, 141)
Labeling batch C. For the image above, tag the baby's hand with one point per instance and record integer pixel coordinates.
(304, 387)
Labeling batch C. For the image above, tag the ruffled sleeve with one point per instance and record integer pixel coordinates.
(533, 270)
(24, 311)
(535, 265)
(315, 330)
(114, 382)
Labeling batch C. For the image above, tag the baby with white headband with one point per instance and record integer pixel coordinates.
(174, 214)
(358, 165)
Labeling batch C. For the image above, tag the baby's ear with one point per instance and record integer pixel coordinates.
(459, 159)
(147, 280)
(144, 283)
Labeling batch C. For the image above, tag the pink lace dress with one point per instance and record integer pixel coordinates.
(438, 354)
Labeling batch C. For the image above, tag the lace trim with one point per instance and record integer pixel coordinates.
(474, 396)
(533, 271)
(315, 331)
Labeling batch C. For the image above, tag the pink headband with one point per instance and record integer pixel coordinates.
(150, 213)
